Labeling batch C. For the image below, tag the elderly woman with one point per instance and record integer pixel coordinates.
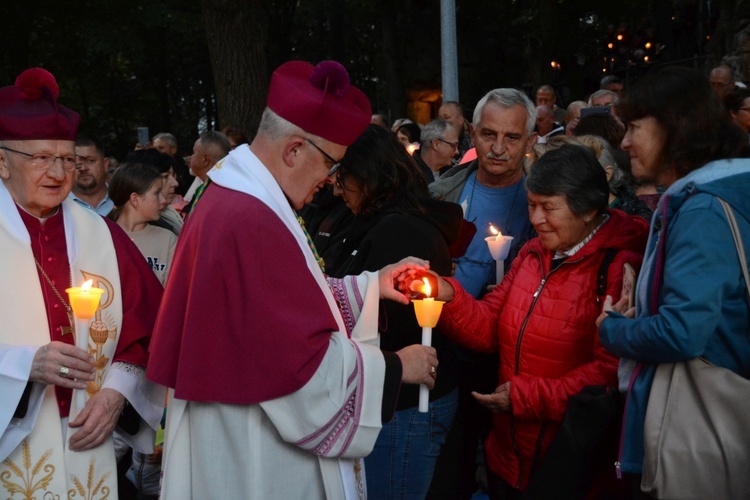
(690, 297)
(395, 218)
(542, 318)
(621, 195)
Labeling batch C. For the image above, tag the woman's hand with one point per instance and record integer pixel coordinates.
(58, 363)
(498, 401)
(620, 307)
(418, 365)
(395, 278)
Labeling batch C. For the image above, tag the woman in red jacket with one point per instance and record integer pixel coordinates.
(542, 318)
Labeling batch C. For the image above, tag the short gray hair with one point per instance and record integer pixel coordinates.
(166, 137)
(215, 144)
(507, 98)
(602, 93)
(433, 130)
(275, 127)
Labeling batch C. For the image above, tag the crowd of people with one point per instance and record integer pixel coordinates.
(255, 337)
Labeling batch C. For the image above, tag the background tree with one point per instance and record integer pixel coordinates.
(188, 65)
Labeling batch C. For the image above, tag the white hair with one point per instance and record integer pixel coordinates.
(508, 98)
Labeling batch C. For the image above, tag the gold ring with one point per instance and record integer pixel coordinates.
(433, 372)
(64, 371)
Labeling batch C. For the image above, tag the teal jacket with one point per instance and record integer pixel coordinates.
(692, 301)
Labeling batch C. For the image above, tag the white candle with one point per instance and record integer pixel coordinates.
(428, 312)
(499, 246)
(84, 301)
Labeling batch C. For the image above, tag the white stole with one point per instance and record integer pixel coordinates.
(41, 460)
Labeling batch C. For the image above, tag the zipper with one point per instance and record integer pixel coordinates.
(545, 278)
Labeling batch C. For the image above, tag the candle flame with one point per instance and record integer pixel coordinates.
(493, 230)
(426, 289)
(87, 285)
(411, 148)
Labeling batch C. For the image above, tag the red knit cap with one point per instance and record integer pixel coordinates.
(320, 100)
(29, 109)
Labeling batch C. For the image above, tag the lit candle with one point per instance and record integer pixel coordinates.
(84, 300)
(499, 246)
(412, 147)
(428, 312)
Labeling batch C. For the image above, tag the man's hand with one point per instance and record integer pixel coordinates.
(419, 365)
(97, 420)
(395, 278)
(50, 358)
(498, 401)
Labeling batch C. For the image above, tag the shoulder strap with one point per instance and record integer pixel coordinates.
(737, 242)
(601, 276)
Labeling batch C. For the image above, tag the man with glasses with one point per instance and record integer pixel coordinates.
(438, 146)
(48, 437)
(277, 384)
(90, 187)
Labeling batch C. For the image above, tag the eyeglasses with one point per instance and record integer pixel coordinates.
(454, 145)
(45, 161)
(336, 164)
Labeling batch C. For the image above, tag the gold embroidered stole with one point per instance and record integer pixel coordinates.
(41, 462)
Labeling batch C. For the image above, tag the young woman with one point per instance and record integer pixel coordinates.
(137, 191)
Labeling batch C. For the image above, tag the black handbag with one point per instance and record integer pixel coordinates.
(585, 447)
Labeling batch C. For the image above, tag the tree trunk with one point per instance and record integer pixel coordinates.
(237, 36)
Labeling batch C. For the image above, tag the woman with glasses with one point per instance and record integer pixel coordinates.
(690, 297)
(395, 218)
(737, 104)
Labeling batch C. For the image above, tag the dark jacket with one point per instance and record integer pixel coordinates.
(376, 241)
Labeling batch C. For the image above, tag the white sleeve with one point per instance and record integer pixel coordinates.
(358, 298)
(15, 367)
(337, 413)
(146, 397)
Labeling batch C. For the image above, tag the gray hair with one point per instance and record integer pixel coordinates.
(275, 127)
(215, 144)
(166, 137)
(602, 93)
(433, 130)
(507, 98)
(605, 155)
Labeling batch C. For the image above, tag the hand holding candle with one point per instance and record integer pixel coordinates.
(84, 301)
(428, 312)
(499, 246)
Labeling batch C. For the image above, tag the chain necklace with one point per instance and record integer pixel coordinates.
(69, 310)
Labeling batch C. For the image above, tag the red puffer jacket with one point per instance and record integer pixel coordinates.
(543, 323)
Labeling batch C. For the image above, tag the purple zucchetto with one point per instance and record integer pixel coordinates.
(319, 100)
(29, 109)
